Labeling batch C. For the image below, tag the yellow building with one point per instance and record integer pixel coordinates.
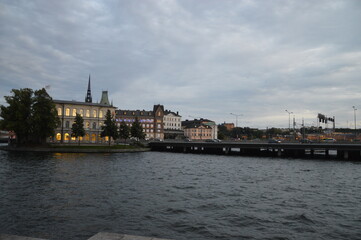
(92, 113)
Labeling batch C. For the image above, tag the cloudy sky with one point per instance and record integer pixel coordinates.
(204, 58)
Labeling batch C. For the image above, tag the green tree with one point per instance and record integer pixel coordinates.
(110, 128)
(77, 129)
(124, 131)
(32, 117)
(17, 115)
(45, 118)
(136, 130)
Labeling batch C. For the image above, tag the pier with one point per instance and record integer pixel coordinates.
(288, 150)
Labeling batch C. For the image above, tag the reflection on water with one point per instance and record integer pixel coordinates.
(179, 196)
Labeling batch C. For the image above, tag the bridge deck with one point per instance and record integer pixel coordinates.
(344, 151)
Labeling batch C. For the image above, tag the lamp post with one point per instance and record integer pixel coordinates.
(237, 115)
(289, 120)
(354, 115)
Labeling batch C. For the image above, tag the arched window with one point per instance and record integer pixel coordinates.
(87, 125)
(94, 113)
(81, 112)
(87, 114)
(74, 112)
(66, 136)
(60, 112)
(67, 112)
(94, 138)
(100, 114)
(87, 137)
(58, 136)
(67, 124)
(94, 125)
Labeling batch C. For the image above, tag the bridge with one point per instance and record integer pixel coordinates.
(293, 150)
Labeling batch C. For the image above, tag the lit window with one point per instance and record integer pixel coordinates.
(66, 136)
(58, 136)
(81, 112)
(67, 112)
(87, 114)
(74, 112)
(94, 113)
(87, 124)
(101, 114)
(59, 112)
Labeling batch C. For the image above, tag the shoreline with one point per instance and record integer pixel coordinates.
(72, 149)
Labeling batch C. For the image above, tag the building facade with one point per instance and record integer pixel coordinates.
(92, 113)
(172, 125)
(206, 129)
(151, 121)
(198, 132)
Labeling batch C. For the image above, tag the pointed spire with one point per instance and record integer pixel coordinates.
(88, 97)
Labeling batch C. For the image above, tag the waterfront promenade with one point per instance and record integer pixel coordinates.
(99, 236)
(312, 150)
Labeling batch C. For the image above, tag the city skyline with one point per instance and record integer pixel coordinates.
(205, 59)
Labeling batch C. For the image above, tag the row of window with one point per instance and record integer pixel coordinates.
(86, 125)
(74, 111)
(172, 124)
(87, 137)
(201, 135)
(172, 119)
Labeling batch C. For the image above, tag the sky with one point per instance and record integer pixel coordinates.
(204, 59)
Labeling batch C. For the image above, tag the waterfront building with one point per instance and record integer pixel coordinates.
(198, 132)
(229, 126)
(203, 128)
(172, 125)
(151, 121)
(92, 113)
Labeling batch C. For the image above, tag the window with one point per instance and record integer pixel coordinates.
(87, 125)
(94, 113)
(59, 112)
(67, 112)
(74, 112)
(101, 114)
(66, 136)
(67, 124)
(87, 114)
(94, 125)
(81, 112)
(58, 136)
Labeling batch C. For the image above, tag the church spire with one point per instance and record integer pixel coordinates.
(88, 97)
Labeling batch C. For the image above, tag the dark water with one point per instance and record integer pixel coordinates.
(179, 196)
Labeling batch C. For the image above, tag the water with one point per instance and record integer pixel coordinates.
(179, 196)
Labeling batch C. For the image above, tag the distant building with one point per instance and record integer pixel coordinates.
(92, 113)
(229, 126)
(172, 125)
(203, 128)
(151, 121)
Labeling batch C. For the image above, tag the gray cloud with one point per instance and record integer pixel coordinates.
(201, 58)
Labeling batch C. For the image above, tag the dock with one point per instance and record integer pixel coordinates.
(288, 150)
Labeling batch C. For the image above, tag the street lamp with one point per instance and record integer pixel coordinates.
(354, 115)
(237, 115)
(289, 120)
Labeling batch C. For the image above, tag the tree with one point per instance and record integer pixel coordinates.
(32, 117)
(136, 130)
(45, 118)
(77, 129)
(110, 128)
(124, 131)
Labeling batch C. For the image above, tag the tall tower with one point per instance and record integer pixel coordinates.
(88, 97)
